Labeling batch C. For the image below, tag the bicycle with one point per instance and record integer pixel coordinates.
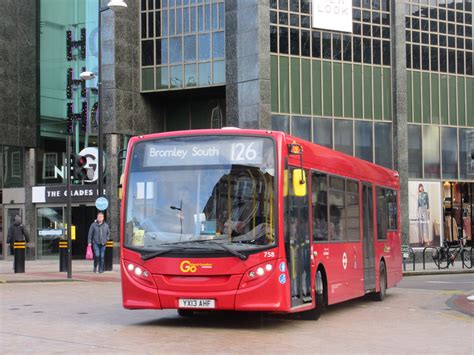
(446, 255)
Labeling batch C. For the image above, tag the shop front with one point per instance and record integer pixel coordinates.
(51, 216)
(440, 211)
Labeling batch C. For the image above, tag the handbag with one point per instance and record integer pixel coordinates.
(89, 255)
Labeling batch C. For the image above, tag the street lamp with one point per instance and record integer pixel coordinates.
(115, 6)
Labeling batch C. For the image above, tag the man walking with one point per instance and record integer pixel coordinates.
(99, 234)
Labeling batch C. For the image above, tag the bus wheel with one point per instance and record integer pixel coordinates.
(379, 296)
(185, 312)
(316, 312)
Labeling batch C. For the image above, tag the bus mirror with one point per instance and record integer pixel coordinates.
(120, 188)
(299, 182)
(285, 183)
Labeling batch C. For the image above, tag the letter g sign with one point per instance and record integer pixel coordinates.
(187, 266)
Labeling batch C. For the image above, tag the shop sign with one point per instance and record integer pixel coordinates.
(335, 15)
(58, 193)
(92, 156)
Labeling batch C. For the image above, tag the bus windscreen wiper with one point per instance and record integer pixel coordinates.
(164, 251)
(225, 247)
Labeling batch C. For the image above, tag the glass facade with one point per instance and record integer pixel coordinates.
(333, 88)
(68, 42)
(440, 88)
(182, 44)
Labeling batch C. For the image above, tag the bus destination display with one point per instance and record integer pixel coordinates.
(213, 152)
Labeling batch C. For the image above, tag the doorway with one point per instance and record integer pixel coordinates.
(298, 246)
(82, 217)
(368, 237)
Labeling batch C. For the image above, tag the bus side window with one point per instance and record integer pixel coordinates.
(337, 208)
(392, 206)
(353, 214)
(319, 201)
(382, 217)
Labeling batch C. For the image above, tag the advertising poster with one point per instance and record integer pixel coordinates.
(424, 199)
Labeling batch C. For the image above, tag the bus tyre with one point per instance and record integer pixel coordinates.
(316, 312)
(185, 312)
(380, 296)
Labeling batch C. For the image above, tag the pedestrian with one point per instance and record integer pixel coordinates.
(99, 234)
(17, 233)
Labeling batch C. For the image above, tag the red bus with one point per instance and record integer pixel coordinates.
(253, 220)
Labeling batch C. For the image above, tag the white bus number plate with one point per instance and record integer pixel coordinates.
(196, 303)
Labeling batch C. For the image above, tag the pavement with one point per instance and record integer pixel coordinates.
(48, 271)
(422, 315)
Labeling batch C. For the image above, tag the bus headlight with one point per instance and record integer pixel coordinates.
(257, 274)
(139, 274)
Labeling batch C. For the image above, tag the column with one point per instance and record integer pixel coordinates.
(248, 63)
(29, 218)
(112, 181)
(399, 110)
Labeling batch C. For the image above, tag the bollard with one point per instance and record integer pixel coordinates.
(63, 264)
(109, 256)
(19, 262)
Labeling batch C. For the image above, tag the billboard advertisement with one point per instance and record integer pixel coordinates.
(425, 213)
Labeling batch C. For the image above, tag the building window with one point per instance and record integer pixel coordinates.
(449, 145)
(431, 150)
(183, 44)
(363, 140)
(50, 161)
(415, 158)
(371, 26)
(439, 37)
(16, 164)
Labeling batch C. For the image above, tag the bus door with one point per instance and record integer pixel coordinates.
(368, 237)
(298, 245)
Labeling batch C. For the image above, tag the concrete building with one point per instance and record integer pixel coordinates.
(390, 82)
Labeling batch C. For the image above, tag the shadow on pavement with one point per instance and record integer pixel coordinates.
(249, 320)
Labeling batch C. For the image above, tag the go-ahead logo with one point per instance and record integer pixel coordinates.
(187, 266)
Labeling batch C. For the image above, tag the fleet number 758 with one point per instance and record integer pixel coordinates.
(268, 254)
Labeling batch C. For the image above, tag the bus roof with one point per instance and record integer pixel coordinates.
(330, 160)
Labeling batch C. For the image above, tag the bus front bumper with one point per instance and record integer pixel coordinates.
(268, 295)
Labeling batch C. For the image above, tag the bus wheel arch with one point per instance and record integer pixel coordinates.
(320, 294)
(324, 280)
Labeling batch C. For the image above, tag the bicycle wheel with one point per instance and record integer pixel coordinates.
(440, 258)
(466, 257)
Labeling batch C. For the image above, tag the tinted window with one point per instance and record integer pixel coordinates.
(337, 209)
(382, 216)
(320, 206)
(353, 211)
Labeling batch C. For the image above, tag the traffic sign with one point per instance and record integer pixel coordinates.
(405, 251)
(101, 203)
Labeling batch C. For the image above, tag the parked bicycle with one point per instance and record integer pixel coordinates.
(446, 255)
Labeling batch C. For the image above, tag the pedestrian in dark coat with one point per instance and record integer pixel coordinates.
(99, 234)
(17, 233)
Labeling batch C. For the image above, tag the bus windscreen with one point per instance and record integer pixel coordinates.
(198, 192)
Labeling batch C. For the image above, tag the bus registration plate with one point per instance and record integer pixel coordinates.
(196, 303)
